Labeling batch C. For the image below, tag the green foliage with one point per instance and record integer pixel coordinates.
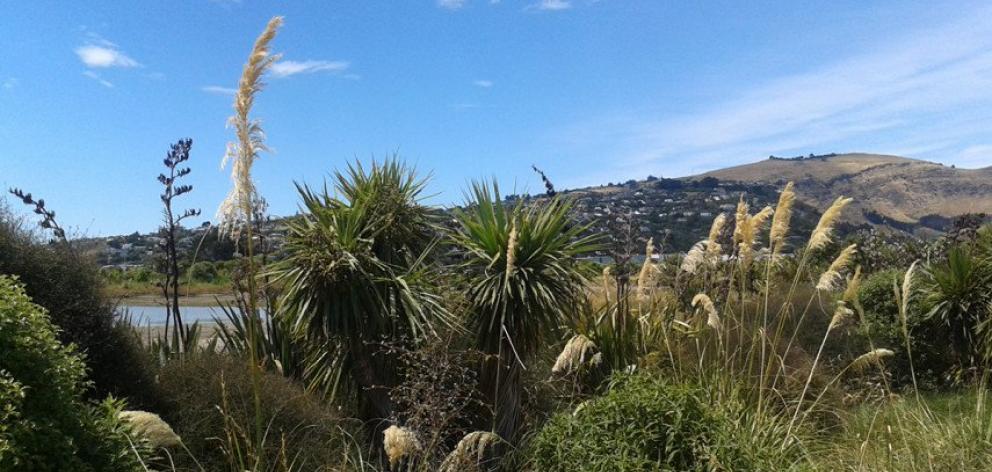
(47, 425)
(523, 282)
(882, 328)
(211, 397)
(958, 296)
(647, 423)
(68, 286)
(355, 272)
(942, 433)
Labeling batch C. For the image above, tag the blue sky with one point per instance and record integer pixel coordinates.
(93, 93)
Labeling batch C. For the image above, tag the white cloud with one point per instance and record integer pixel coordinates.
(10, 83)
(96, 77)
(287, 68)
(105, 54)
(483, 83)
(217, 89)
(979, 155)
(552, 5)
(929, 86)
(451, 4)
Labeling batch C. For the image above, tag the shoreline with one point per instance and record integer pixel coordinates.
(198, 300)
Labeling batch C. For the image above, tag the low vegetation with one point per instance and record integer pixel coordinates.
(385, 336)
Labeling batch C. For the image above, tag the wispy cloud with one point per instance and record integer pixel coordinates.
(9, 83)
(551, 5)
(288, 68)
(451, 4)
(979, 155)
(930, 86)
(483, 83)
(98, 79)
(217, 89)
(101, 53)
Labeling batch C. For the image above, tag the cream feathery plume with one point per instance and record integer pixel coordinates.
(825, 227)
(907, 284)
(740, 220)
(841, 316)
(904, 296)
(151, 428)
(830, 278)
(511, 251)
(469, 452)
(871, 357)
(780, 221)
(759, 219)
(853, 284)
(645, 277)
(712, 246)
(399, 442)
(701, 300)
(606, 283)
(573, 355)
(694, 258)
(236, 209)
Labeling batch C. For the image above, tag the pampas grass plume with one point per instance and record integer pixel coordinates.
(573, 355)
(701, 300)
(399, 442)
(871, 357)
(237, 206)
(780, 221)
(830, 278)
(151, 428)
(824, 228)
(469, 452)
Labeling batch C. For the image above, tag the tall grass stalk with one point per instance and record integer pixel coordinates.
(236, 212)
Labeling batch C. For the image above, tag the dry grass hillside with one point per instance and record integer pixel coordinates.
(899, 189)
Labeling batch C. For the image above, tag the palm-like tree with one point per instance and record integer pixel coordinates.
(523, 282)
(958, 297)
(354, 274)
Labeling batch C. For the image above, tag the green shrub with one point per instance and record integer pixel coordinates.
(647, 423)
(44, 422)
(199, 387)
(68, 285)
(882, 326)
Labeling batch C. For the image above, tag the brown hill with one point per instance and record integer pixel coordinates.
(889, 190)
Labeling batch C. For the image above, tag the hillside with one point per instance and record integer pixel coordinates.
(895, 191)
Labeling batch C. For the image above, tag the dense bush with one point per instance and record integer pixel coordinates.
(68, 286)
(648, 423)
(45, 424)
(203, 389)
(883, 329)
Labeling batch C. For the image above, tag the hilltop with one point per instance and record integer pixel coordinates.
(906, 194)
